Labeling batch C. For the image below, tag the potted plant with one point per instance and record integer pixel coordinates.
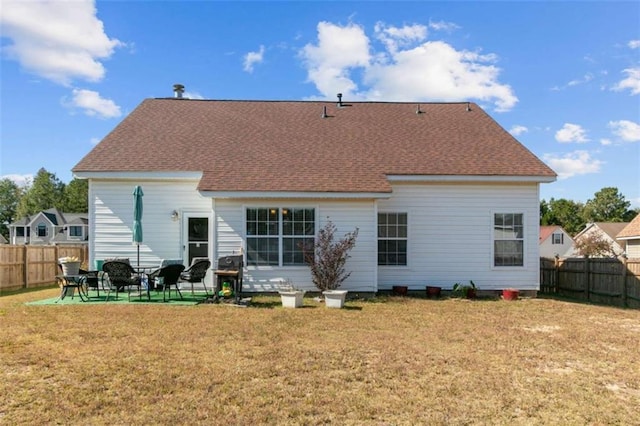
(70, 265)
(326, 259)
(510, 294)
(468, 291)
(433, 291)
(290, 296)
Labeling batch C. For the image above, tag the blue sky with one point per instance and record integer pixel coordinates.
(562, 77)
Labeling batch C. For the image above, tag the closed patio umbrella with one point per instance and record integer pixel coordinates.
(137, 218)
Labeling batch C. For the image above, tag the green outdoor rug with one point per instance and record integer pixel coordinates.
(156, 298)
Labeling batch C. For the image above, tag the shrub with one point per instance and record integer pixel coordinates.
(326, 258)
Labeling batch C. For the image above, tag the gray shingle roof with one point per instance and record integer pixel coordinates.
(288, 146)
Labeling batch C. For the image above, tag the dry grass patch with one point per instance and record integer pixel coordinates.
(385, 361)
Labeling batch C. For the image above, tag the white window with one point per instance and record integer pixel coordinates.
(392, 239)
(557, 238)
(276, 236)
(75, 231)
(508, 239)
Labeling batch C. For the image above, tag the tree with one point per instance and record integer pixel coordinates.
(607, 205)
(10, 194)
(594, 245)
(76, 196)
(562, 212)
(45, 192)
(326, 258)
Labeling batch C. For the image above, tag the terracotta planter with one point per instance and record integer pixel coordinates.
(510, 294)
(433, 292)
(400, 290)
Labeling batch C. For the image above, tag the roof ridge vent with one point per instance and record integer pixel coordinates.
(178, 90)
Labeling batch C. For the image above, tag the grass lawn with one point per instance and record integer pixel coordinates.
(390, 360)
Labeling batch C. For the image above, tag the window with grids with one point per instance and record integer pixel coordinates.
(75, 231)
(508, 239)
(276, 235)
(557, 238)
(392, 238)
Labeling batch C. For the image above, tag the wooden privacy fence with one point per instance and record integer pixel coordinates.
(607, 281)
(27, 266)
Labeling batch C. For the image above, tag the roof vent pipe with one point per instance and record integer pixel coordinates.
(340, 99)
(418, 110)
(468, 106)
(324, 112)
(178, 90)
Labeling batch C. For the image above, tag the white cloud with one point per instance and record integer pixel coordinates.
(93, 104)
(408, 68)
(252, 58)
(605, 141)
(626, 130)
(58, 40)
(632, 82)
(94, 141)
(634, 44)
(571, 133)
(518, 130)
(192, 95)
(585, 79)
(338, 50)
(572, 164)
(443, 26)
(20, 180)
(394, 37)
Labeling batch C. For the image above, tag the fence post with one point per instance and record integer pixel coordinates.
(624, 280)
(556, 274)
(588, 278)
(25, 267)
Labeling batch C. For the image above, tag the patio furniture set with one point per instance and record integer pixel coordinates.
(118, 275)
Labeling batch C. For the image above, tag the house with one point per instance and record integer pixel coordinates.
(440, 192)
(50, 227)
(606, 231)
(3, 240)
(554, 241)
(630, 235)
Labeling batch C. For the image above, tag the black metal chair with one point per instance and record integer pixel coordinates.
(196, 273)
(169, 275)
(120, 275)
(91, 280)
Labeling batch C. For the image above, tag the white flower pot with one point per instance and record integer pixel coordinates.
(334, 298)
(292, 299)
(70, 268)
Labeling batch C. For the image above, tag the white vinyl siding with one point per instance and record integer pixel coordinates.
(111, 218)
(346, 215)
(451, 235)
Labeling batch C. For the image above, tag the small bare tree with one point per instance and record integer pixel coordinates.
(326, 258)
(594, 245)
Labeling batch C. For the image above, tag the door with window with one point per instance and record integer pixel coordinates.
(196, 236)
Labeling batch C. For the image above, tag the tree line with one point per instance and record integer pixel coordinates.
(44, 192)
(607, 205)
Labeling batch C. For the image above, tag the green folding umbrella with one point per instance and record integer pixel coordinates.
(137, 218)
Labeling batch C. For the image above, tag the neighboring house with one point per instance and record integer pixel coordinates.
(440, 192)
(3, 240)
(554, 241)
(50, 227)
(605, 230)
(630, 235)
